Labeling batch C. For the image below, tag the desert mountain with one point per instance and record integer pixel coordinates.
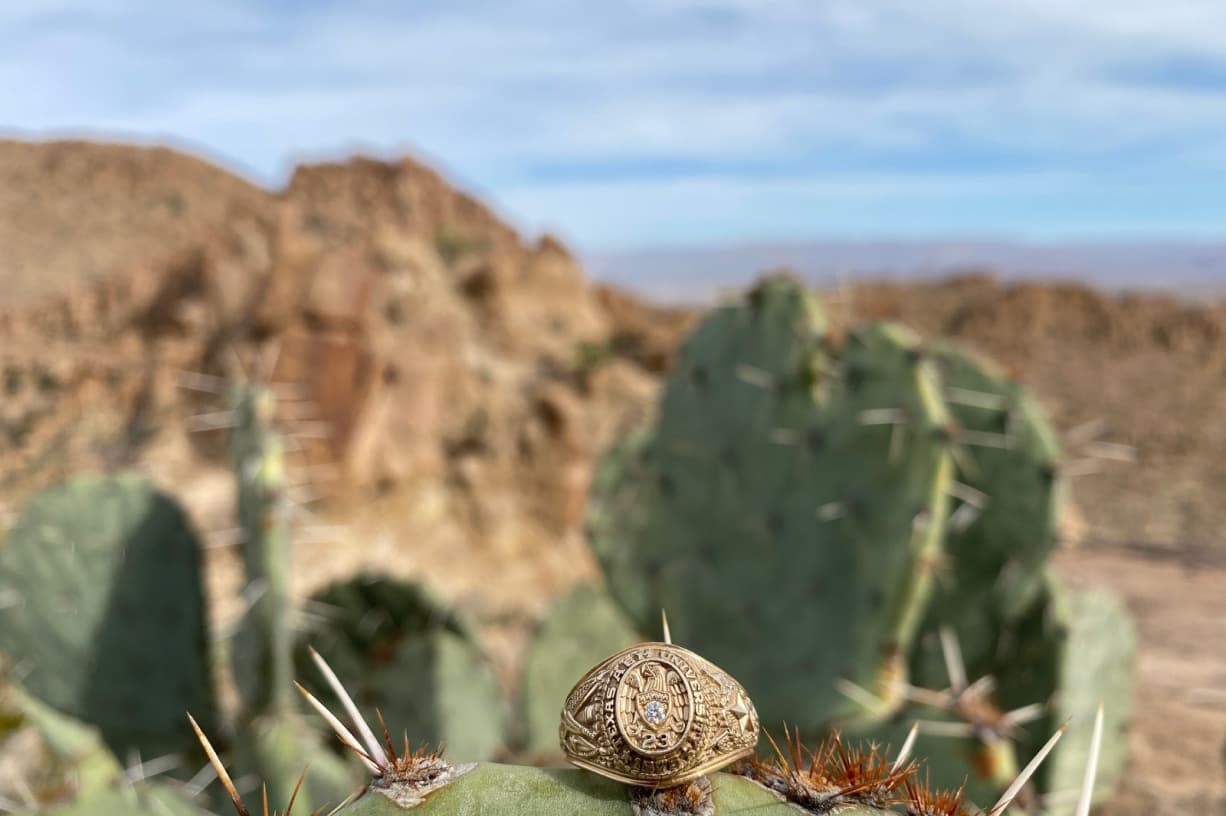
(429, 360)
(77, 213)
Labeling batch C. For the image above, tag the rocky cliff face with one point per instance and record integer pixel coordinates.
(429, 359)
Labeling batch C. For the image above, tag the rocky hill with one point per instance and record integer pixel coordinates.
(429, 359)
(75, 213)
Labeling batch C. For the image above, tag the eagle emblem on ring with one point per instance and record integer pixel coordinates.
(653, 707)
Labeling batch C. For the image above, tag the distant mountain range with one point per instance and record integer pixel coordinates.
(697, 274)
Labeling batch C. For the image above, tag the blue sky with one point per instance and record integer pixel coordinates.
(652, 122)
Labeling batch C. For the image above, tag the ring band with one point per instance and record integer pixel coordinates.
(657, 714)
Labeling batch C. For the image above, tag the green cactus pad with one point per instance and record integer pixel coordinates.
(104, 613)
(1007, 456)
(787, 506)
(73, 747)
(581, 629)
(1072, 650)
(1084, 647)
(262, 647)
(547, 792)
(388, 637)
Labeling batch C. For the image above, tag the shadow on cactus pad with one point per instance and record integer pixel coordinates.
(409, 657)
(103, 613)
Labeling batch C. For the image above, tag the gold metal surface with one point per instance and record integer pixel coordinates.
(657, 715)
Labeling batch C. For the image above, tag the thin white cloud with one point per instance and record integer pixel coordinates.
(498, 91)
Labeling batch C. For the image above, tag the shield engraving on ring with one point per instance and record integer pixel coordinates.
(657, 715)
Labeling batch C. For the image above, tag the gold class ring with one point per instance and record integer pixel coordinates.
(657, 715)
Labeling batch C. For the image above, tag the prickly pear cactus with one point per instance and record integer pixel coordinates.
(581, 629)
(1068, 652)
(834, 778)
(103, 614)
(1004, 522)
(1001, 531)
(391, 635)
(263, 646)
(549, 792)
(793, 484)
(1082, 643)
(78, 763)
